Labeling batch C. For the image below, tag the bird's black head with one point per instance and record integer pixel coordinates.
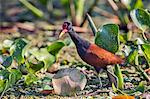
(66, 27)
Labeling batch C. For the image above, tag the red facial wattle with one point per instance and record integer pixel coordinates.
(64, 30)
(65, 26)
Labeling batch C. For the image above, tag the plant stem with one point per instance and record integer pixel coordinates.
(138, 67)
(35, 10)
(4, 89)
(144, 74)
(92, 25)
(79, 11)
(143, 34)
(72, 12)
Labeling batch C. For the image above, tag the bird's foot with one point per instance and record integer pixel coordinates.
(100, 83)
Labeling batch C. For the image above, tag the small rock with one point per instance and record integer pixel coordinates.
(69, 80)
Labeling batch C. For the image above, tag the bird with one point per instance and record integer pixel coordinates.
(90, 53)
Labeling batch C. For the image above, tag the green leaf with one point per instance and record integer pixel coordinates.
(140, 88)
(17, 73)
(146, 49)
(44, 55)
(4, 73)
(33, 68)
(18, 50)
(92, 25)
(114, 88)
(7, 62)
(7, 43)
(141, 18)
(34, 10)
(2, 84)
(47, 87)
(30, 78)
(14, 76)
(132, 4)
(12, 79)
(107, 37)
(132, 57)
(118, 73)
(55, 47)
(44, 2)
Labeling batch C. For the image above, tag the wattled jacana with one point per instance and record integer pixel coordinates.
(90, 53)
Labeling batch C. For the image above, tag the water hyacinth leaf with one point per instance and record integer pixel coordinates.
(107, 37)
(33, 68)
(30, 78)
(34, 10)
(7, 62)
(14, 76)
(118, 73)
(17, 50)
(17, 73)
(146, 49)
(132, 57)
(4, 73)
(141, 18)
(91, 23)
(55, 47)
(45, 56)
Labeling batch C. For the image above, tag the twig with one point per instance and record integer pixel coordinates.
(13, 29)
(98, 91)
(26, 26)
(147, 70)
(113, 5)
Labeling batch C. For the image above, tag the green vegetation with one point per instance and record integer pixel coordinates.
(31, 53)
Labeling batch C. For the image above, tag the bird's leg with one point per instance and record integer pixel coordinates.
(112, 78)
(99, 77)
(100, 81)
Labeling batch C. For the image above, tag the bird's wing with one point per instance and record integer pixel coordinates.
(104, 55)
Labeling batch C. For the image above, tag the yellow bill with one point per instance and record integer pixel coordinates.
(62, 32)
